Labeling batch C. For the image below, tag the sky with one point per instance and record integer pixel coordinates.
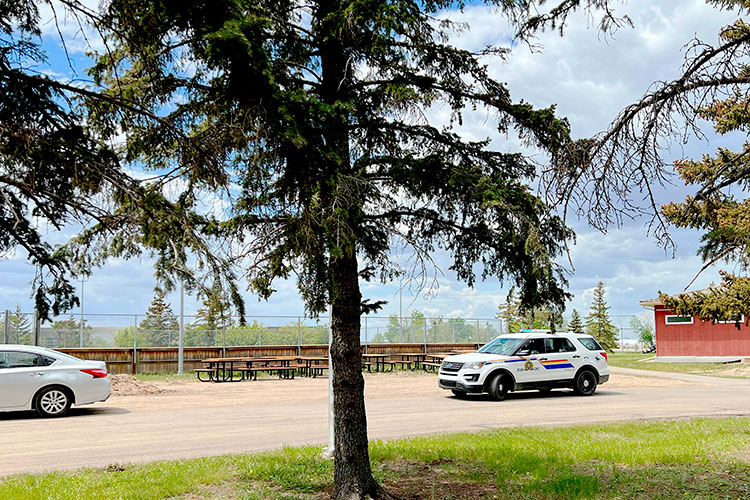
(590, 77)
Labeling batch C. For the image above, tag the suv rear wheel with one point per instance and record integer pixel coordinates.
(585, 383)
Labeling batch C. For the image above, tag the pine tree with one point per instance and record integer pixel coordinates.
(67, 333)
(214, 316)
(576, 323)
(597, 321)
(305, 113)
(160, 326)
(20, 328)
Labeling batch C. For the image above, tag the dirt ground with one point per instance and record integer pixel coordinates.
(184, 418)
(175, 394)
(735, 370)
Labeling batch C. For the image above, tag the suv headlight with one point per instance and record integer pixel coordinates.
(474, 366)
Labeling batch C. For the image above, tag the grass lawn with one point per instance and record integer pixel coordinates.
(695, 459)
(646, 362)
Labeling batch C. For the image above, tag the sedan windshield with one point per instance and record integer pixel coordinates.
(502, 345)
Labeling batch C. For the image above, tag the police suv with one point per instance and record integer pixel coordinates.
(527, 360)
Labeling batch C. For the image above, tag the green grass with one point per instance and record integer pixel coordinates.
(697, 459)
(646, 362)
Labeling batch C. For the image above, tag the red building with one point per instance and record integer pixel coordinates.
(689, 336)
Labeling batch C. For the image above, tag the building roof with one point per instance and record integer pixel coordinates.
(658, 302)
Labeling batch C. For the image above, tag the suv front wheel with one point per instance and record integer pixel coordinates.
(585, 383)
(499, 386)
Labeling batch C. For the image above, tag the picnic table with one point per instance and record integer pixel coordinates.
(379, 360)
(222, 369)
(225, 369)
(412, 360)
(314, 365)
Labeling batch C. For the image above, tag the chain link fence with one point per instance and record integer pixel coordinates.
(137, 330)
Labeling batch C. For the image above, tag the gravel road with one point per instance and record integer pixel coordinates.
(191, 419)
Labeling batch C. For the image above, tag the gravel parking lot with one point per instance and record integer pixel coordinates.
(185, 419)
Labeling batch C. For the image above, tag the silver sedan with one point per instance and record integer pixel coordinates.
(35, 378)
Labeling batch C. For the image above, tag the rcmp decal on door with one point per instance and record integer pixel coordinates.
(528, 365)
(553, 364)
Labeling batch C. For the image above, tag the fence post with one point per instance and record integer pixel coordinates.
(260, 335)
(224, 341)
(299, 336)
(425, 336)
(6, 336)
(366, 342)
(181, 338)
(135, 344)
(453, 332)
(37, 328)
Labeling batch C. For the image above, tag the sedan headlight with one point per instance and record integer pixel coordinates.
(474, 366)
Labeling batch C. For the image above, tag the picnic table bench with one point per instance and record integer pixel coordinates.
(409, 360)
(430, 366)
(313, 365)
(378, 360)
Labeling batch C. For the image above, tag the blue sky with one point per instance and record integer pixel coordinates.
(590, 77)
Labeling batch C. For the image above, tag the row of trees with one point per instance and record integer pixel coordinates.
(213, 326)
(414, 329)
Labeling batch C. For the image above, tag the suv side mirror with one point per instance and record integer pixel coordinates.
(522, 352)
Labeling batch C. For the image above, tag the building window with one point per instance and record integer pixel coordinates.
(736, 318)
(679, 320)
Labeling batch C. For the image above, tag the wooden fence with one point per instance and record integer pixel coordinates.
(164, 359)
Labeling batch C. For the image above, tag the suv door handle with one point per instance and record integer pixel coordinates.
(37, 374)
(576, 356)
(542, 359)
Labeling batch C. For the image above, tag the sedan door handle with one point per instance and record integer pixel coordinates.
(37, 374)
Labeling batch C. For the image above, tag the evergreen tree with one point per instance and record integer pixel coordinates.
(20, 328)
(67, 333)
(597, 321)
(212, 318)
(160, 328)
(313, 121)
(576, 323)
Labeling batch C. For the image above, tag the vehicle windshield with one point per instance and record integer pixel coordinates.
(502, 345)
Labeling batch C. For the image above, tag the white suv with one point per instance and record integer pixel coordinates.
(527, 360)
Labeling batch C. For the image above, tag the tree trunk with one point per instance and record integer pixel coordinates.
(352, 474)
